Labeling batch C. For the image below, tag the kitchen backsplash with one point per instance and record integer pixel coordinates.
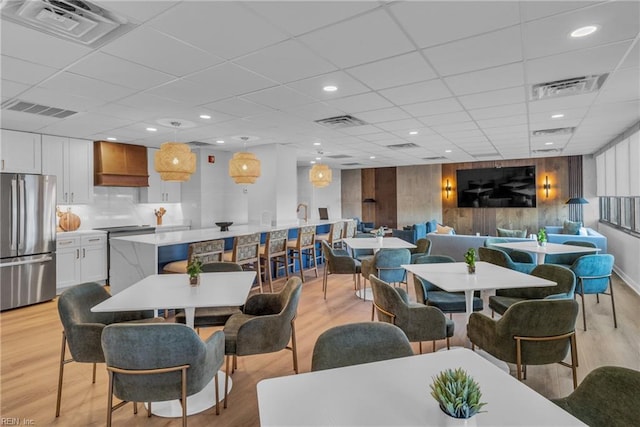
(116, 206)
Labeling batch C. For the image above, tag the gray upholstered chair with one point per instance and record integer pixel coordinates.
(423, 247)
(608, 396)
(593, 274)
(418, 321)
(565, 288)
(501, 258)
(357, 343)
(159, 362)
(568, 259)
(206, 317)
(339, 264)
(386, 265)
(532, 332)
(82, 328)
(429, 294)
(266, 325)
(514, 254)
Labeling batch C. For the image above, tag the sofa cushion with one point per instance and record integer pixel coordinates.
(432, 226)
(504, 232)
(440, 229)
(571, 227)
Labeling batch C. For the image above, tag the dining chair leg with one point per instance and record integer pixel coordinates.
(110, 400)
(584, 311)
(574, 360)
(518, 359)
(148, 409)
(135, 408)
(215, 382)
(183, 399)
(93, 381)
(420, 347)
(433, 346)
(61, 372)
(226, 380)
(613, 304)
(294, 347)
(448, 344)
(324, 280)
(301, 265)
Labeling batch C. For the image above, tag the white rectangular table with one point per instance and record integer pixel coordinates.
(396, 393)
(541, 251)
(376, 245)
(453, 277)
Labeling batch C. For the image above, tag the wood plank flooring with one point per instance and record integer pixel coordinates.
(30, 350)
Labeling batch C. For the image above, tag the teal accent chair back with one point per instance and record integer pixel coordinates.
(593, 273)
(501, 258)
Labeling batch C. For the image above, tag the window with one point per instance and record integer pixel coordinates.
(621, 212)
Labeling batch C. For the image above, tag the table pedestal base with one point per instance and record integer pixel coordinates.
(365, 294)
(196, 403)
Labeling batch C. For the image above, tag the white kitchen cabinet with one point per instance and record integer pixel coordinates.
(159, 191)
(80, 257)
(20, 152)
(71, 160)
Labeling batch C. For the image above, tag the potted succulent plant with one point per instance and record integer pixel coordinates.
(542, 237)
(194, 268)
(380, 234)
(470, 259)
(457, 393)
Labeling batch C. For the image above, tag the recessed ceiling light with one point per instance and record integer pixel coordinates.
(313, 162)
(317, 143)
(413, 132)
(557, 116)
(372, 157)
(318, 158)
(447, 151)
(330, 88)
(112, 139)
(584, 31)
(219, 141)
(205, 116)
(152, 129)
(548, 143)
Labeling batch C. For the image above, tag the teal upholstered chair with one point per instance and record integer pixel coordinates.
(514, 254)
(339, 263)
(532, 332)
(568, 259)
(386, 265)
(593, 273)
(357, 343)
(362, 254)
(418, 321)
(565, 288)
(206, 317)
(82, 328)
(159, 362)
(423, 247)
(501, 258)
(429, 294)
(607, 397)
(266, 325)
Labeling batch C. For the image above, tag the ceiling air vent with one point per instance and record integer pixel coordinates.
(30, 107)
(485, 155)
(434, 158)
(547, 150)
(340, 122)
(80, 21)
(198, 144)
(566, 87)
(403, 146)
(339, 156)
(553, 132)
(352, 164)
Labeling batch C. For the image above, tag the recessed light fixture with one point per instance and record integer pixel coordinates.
(557, 116)
(372, 157)
(313, 162)
(447, 151)
(548, 143)
(152, 129)
(318, 158)
(330, 88)
(317, 143)
(205, 116)
(584, 31)
(112, 139)
(413, 132)
(220, 141)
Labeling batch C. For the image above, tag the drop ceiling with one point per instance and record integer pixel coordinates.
(451, 78)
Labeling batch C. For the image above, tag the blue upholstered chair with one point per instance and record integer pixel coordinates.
(593, 273)
(501, 258)
(339, 263)
(362, 254)
(514, 254)
(357, 343)
(386, 265)
(418, 321)
(159, 362)
(564, 289)
(429, 294)
(568, 259)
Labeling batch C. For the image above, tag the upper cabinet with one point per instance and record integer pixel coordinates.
(20, 152)
(120, 165)
(71, 160)
(159, 191)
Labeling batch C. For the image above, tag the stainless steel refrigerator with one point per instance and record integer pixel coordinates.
(27, 239)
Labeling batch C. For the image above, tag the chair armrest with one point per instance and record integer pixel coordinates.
(262, 334)
(481, 329)
(560, 296)
(262, 304)
(85, 342)
(425, 323)
(520, 256)
(344, 264)
(215, 351)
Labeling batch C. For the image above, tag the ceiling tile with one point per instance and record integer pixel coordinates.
(21, 71)
(493, 98)
(431, 108)
(279, 97)
(11, 89)
(484, 51)
(358, 103)
(481, 81)
(400, 124)
(346, 85)
(624, 85)
(315, 111)
(362, 39)
(396, 71)
(383, 115)
(152, 103)
(86, 87)
(442, 119)
(502, 121)
(500, 111)
(417, 92)
(138, 10)
(238, 107)
(26, 122)
(229, 80)
(562, 103)
(531, 10)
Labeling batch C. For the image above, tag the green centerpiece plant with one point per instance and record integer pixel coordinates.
(194, 268)
(542, 237)
(470, 258)
(457, 393)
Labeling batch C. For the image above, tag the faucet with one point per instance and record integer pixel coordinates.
(306, 210)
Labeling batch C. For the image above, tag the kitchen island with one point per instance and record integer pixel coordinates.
(135, 257)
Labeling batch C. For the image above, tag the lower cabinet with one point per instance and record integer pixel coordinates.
(80, 258)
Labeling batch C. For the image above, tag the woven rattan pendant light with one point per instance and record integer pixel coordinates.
(244, 167)
(175, 161)
(320, 174)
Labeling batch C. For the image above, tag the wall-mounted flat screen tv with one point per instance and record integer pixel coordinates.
(506, 187)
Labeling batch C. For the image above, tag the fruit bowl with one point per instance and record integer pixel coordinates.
(224, 226)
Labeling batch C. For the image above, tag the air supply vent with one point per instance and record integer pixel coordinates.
(30, 107)
(339, 156)
(80, 21)
(403, 146)
(547, 150)
(566, 87)
(352, 164)
(553, 132)
(340, 122)
(198, 144)
(434, 158)
(486, 155)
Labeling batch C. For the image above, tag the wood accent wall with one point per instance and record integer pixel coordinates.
(418, 194)
(351, 193)
(380, 185)
(368, 188)
(549, 211)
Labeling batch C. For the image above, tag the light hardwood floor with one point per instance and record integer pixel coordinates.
(30, 350)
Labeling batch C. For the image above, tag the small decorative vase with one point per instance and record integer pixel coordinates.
(471, 269)
(194, 280)
(379, 239)
(542, 243)
(158, 220)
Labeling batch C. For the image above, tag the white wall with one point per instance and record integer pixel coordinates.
(591, 211)
(327, 197)
(625, 248)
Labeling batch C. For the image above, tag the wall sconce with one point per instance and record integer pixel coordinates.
(447, 188)
(546, 186)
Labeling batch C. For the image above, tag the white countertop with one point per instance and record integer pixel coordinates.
(64, 234)
(189, 236)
